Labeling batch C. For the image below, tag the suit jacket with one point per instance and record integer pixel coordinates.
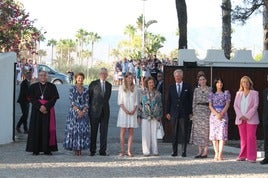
(97, 102)
(265, 106)
(24, 92)
(252, 108)
(180, 107)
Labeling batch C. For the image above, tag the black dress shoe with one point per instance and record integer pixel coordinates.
(264, 161)
(104, 154)
(35, 154)
(92, 154)
(183, 155)
(197, 156)
(174, 154)
(18, 130)
(26, 132)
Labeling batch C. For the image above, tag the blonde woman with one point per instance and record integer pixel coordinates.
(127, 116)
(246, 108)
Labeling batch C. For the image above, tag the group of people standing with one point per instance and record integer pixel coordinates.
(89, 111)
(210, 119)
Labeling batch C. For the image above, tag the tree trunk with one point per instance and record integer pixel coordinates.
(265, 27)
(226, 43)
(182, 21)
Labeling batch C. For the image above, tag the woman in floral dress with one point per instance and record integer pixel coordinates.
(77, 122)
(219, 102)
(201, 112)
(150, 112)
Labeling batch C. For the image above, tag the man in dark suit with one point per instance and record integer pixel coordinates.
(265, 124)
(179, 109)
(23, 100)
(99, 111)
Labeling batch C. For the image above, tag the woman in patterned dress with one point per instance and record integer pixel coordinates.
(127, 116)
(200, 127)
(77, 122)
(219, 102)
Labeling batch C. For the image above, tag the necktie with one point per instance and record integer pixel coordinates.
(179, 89)
(103, 87)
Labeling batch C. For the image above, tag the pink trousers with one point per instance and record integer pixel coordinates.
(248, 142)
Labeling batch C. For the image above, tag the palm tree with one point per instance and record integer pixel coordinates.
(140, 22)
(115, 53)
(52, 43)
(130, 30)
(70, 45)
(154, 43)
(93, 38)
(81, 37)
(41, 53)
(65, 47)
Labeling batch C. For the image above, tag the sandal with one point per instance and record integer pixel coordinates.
(121, 154)
(130, 154)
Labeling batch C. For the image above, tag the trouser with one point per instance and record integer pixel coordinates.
(95, 123)
(181, 124)
(149, 139)
(23, 119)
(248, 142)
(265, 131)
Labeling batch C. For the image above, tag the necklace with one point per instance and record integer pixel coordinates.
(42, 91)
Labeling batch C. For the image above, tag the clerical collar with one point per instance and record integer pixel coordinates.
(43, 83)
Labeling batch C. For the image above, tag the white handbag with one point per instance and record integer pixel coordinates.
(159, 131)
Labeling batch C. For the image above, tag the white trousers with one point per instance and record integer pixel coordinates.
(149, 139)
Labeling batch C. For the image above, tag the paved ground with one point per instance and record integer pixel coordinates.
(15, 162)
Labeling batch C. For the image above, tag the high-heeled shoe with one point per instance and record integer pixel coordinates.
(130, 154)
(203, 156)
(198, 156)
(121, 154)
(77, 153)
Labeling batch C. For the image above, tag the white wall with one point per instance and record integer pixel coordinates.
(7, 61)
(216, 58)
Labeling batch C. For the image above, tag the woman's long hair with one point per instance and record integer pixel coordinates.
(214, 88)
(131, 88)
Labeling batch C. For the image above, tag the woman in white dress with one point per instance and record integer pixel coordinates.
(127, 116)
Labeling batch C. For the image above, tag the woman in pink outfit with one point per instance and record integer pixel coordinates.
(246, 108)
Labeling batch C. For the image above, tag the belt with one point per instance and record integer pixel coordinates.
(205, 104)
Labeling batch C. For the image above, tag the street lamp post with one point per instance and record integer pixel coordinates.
(143, 30)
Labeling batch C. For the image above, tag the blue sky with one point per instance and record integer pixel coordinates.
(62, 18)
